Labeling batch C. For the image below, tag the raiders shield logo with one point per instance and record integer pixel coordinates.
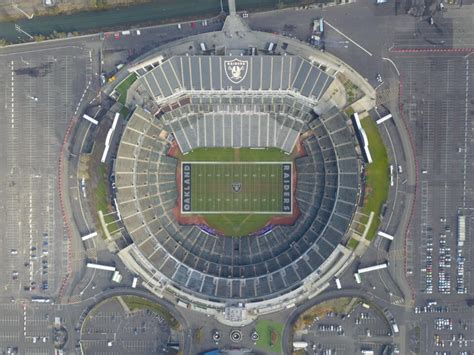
(236, 186)
(236, 69)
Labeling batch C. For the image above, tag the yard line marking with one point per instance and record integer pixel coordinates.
(465, 135)
(350, 39)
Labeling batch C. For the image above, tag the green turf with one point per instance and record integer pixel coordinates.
(101, 196)
(237, 224)
(352, 244)
(124, 111)
(260, 187)
(123, 87)
(210, 154)
(377, 185)
(100, 192)
(236, 154)
(265, 329)
(349, 111)
(267, 154)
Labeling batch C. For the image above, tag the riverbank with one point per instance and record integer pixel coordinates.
(24, 8)
(118, 18)
(164, 11)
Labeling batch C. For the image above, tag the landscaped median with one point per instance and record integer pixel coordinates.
(101, 198)
(270, 334)
(377, 176)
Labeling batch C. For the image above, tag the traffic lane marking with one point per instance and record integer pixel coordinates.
(347, 37)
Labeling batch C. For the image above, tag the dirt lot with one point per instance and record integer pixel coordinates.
(37, 8)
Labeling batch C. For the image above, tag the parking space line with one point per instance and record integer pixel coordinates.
(347, 37)
(466, 109)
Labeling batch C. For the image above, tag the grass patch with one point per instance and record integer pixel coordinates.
(270, 336)
(212, 187)
(209, 154)
(235, 154)
(137, 303)
(377, 174)
(100, 193)
(349, 111)
(123, 87)
(267, 154)
(101, 197)
(353, 243)
(352, 91)
(360, 226)
(237, 224)
(124, 112)
(209, 196)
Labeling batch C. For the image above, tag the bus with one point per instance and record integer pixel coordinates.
(372, 268)
(271, 47)
(357, 278)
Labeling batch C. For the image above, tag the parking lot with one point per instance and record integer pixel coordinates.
(363, 328)
(112, 329)
(449, 30)
(438, 105)
(41, 89)
(28, 328)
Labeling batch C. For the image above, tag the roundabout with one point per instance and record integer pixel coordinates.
(129, 323)
(235, 336)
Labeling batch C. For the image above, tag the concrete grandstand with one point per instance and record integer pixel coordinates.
(227, 98)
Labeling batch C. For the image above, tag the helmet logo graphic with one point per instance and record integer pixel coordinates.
(236, 70)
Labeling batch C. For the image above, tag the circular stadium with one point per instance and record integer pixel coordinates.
(238, 173)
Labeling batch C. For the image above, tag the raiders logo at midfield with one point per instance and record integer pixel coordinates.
(236, 186)
(236, 69)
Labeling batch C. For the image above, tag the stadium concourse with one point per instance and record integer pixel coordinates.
(237, 96)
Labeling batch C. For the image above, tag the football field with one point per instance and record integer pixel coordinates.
(236, 187)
